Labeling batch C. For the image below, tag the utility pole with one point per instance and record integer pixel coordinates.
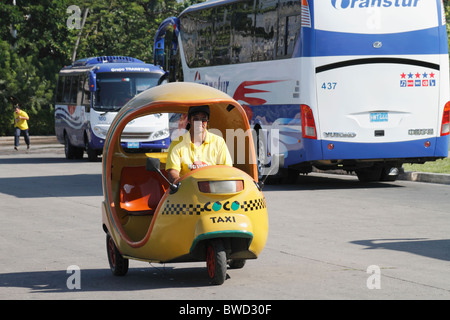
(74, 55)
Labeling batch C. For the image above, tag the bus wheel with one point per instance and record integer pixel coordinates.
(216, 261)
(370, 174)
(69, 149)
(389, 174)
(117, 263)
(91, 153)
(261, 147)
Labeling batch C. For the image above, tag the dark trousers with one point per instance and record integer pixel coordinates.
(26, 136)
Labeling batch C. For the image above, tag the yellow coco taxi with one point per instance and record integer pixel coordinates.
(215, 213)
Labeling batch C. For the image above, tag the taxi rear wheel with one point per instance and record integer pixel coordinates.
(117, 263)
(216, 261)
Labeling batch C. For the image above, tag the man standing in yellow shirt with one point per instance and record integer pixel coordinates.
(20, 125)
(197, 147)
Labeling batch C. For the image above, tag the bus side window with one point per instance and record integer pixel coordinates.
(74, 90)
(60, 89)
(67, 85)
(86, 94)
(265, 32)
(79, 92)
(289, 24)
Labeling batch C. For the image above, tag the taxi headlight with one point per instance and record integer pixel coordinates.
(228, 186)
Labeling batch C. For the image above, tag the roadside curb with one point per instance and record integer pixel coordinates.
(9, 140)
(425, 177)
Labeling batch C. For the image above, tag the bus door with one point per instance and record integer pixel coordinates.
(165, 51)
(377, 78)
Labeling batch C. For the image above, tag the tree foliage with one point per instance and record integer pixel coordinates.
(37, 38)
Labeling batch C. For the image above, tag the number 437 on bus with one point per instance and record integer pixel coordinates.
(329, 85)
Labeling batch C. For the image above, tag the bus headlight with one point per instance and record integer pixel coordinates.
(160, 134)
(100, 132)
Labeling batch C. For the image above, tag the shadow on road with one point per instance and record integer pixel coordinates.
(38, 160)
(328, 181)
(151, 278)
(53, 186)
(436, 249)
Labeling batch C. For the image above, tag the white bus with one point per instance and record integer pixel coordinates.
(357, 85)
(88, 96)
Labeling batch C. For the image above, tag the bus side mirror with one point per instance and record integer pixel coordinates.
(164, 78)
(92, 81)
(159, 53)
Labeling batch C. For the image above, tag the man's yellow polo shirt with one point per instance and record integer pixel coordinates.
(184, 156)
(22, 124)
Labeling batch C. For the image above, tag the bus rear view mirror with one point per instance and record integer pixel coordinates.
(92, 81)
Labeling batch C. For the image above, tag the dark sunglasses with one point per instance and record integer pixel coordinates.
(199, 119)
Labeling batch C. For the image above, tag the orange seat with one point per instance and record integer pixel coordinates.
(140, 190)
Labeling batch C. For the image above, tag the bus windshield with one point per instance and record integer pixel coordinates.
(114, 90)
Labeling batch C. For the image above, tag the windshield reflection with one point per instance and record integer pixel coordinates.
(114, 90)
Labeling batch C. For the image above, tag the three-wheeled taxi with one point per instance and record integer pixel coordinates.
(215, 214)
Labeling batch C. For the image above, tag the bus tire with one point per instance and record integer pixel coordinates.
(69, 149)
(261, 152)
(216, 261)
(370, 174)
(91, 153)
(389, 174)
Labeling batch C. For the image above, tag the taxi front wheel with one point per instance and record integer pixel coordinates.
(216, 261)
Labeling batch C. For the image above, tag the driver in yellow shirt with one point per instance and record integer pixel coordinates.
(197, 147)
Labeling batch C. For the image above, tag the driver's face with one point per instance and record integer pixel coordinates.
(198, 122)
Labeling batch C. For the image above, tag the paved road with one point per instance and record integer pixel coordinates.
(326, 233)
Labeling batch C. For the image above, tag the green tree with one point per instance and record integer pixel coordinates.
(36, 40)
(33, 44)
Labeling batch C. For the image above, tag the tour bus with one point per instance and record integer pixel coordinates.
(89, 94)
(356, 85)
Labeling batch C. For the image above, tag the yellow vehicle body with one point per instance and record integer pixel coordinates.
(176, 226)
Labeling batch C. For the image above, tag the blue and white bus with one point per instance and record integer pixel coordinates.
(357, 85)
(88, 96)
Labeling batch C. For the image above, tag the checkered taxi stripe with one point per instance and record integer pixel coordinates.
(186, 209)
(197, 209)
(256, 204)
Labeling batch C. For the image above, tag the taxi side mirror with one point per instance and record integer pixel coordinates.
(152, 164)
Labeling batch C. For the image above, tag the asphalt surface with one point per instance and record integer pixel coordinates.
(330, 237)
(327, 233)
(40, 142)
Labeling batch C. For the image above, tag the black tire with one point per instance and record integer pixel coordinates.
(91, 153)
(370, 174)
(216, 261)
(390, 174)
(69, 149)
(261, 150)
(117, 263)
